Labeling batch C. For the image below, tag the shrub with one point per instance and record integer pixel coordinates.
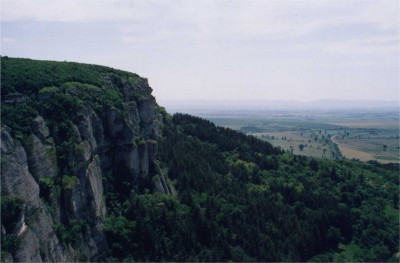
(14, 206)
(69, 182)
(46, 185)
(51, 89)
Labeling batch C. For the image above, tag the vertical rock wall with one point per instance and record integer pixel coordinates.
(36, 237)
(106, 143)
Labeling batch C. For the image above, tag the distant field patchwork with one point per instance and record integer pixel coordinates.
(384, 150)
(369, 138)
(369, 124)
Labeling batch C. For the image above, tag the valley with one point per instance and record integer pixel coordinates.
(354, 134)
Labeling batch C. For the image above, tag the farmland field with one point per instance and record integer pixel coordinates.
(331, 135)
(383, 149)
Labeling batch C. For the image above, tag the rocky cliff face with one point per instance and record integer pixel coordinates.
(60, 198)
(33, 227)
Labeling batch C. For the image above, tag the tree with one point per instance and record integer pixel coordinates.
(301, 147)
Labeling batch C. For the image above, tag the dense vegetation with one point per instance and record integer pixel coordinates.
(55, 90)
(238, 198)
(28, 76)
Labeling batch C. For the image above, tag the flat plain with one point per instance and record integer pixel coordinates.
(354, 134)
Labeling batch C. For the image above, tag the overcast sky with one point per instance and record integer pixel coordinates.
(224, 50)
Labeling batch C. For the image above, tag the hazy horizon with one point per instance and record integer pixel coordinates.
(195, 106)
(220, 50)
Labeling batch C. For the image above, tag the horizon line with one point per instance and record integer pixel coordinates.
(282, 100)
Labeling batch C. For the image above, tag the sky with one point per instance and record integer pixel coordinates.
(221, 50)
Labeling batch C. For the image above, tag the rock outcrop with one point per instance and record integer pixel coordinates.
(37, 239)
(60, 193)
(41, 151)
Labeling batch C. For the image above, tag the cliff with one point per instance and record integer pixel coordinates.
(81, 132)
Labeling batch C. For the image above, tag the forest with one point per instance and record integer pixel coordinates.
(237, 198)
(242, 200)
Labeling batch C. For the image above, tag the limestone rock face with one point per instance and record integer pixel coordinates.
(133, 116)
(152, 147)
(144, 160)
(39, 128)
(29, 248)
(94, 175)
(41, 151)
(35, 229)
(148, 118)
(15, 177)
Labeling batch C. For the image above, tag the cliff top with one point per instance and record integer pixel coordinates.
(27, 76)
(33, 87)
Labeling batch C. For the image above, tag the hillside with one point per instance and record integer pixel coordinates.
(92, 169)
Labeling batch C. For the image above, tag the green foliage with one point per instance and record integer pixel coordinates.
(71, 86)
(9, 243)
(140, 141)
(11, 211)
(29, 76)
(11, 208)
(301, 147)
(69, 182)
(51, 154)
(51, 89)
(71, 233)
(46, 186)
(162, 111)
(19, 119)
(240, 205)
(34, 217)
(227, 139)
(150, 223)
(119, 231)
(94, 95)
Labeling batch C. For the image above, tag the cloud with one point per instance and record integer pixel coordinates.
(376, 46)
(384, 14)
(211, 20)
(70, 11)
(7, 40)
(145, 38)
